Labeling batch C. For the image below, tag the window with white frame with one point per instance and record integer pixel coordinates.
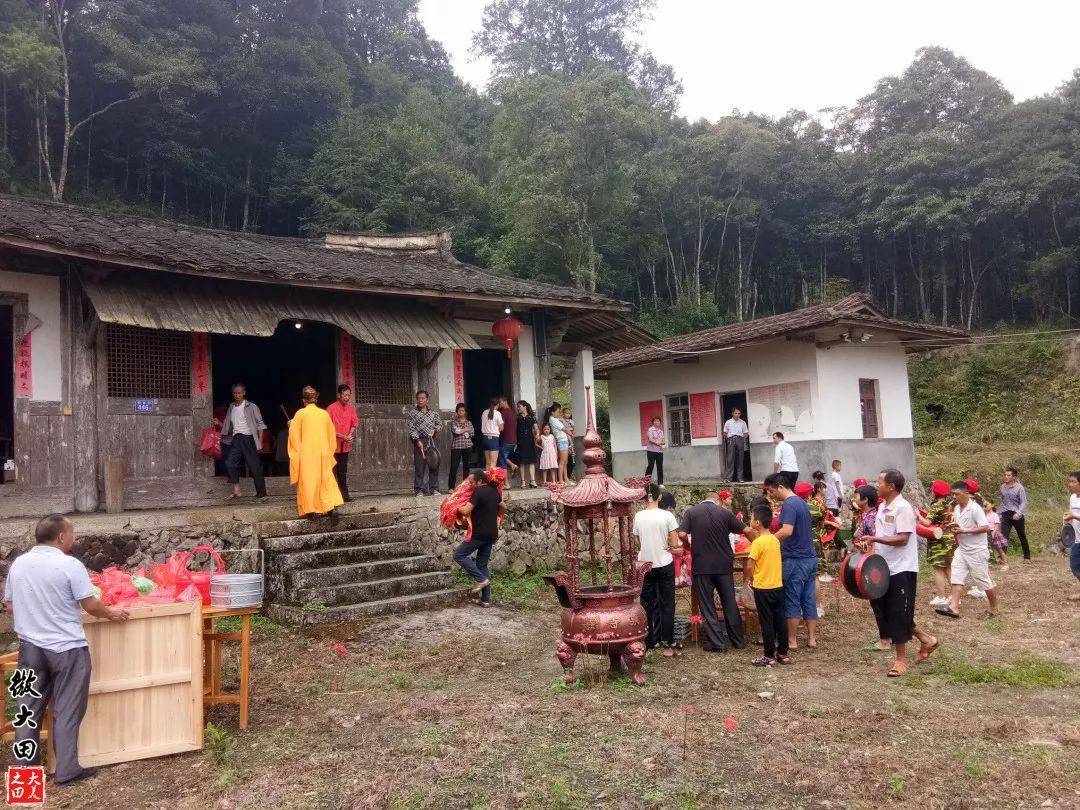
(678, 419)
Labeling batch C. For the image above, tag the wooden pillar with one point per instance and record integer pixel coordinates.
(83, 399)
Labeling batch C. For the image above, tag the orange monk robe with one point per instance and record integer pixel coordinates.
(312, 440)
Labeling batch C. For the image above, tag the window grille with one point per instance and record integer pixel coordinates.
(384, 374)
(148, 363)
(678, 410)
(868, 403)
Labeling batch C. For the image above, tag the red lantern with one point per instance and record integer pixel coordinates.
(508, 330)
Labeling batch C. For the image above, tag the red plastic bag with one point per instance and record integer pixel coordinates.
(210, 443)
(190, 594)
(201, 579)
(172, 575)
(116, 586)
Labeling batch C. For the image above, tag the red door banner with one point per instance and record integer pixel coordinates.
(24, 374)
(459, 376)
(345, 360)
(200, 363)
(647, 411)
(703, 415)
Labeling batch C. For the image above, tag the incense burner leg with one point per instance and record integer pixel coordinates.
(634, 656)
(567, 656)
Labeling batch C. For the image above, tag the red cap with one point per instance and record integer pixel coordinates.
(859, 482)
(724, 495)
(940, 488)
(804, 490)
(972, 485)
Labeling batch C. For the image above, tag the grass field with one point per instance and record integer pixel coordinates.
(465, 708)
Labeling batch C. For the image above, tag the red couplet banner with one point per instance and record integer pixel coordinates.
(459, 376)
(345, 358)
(200, 363)
(647, 410)
(24, 372)
(703, 415)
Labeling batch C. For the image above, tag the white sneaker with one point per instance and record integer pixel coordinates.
(820, 612)
(825, 578)
(978, 594)
(939, 601)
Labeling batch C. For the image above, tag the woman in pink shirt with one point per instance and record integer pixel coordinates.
(654, 450)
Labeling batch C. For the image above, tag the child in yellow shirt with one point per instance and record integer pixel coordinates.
(764, 571)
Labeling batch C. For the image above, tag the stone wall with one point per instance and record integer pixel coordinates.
(131, 548)
(531, 537)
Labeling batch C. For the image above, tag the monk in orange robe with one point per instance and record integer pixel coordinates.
(312, 440)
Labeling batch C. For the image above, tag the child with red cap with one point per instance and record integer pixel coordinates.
(939, 553)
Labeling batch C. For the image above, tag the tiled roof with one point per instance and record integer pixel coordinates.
(171, 246)
(855, 309)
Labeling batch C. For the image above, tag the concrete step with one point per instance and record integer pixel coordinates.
(355, 612)
(334, 538)
(373, 591)
(338, 522)
(331, 557)
(361, 572)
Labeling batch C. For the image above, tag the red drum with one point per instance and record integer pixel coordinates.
(865, 575)
(929, 532)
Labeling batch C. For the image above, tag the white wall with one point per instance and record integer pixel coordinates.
(839, 371)
(526, 367)
(45, 341)
(444, 375)
(729, 371)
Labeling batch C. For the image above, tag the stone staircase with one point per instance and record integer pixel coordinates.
(348, 567)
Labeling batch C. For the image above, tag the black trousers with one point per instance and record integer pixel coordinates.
(63, 681)
(792, 478)
(341, 473)
(896, 619)
(458, 457)
(730, 633)
(773, 621)
(1008, 521)
(658, 599)
(243, 446)
(425, 480)
(655, 460)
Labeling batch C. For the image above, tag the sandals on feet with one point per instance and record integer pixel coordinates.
(480, 586)
(947, 611)
(763, 662)
(926, 650)
(897, 670)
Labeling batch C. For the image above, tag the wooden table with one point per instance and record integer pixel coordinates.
(738, 568)
(212, 658)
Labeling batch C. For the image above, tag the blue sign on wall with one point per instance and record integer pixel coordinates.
(146, 406)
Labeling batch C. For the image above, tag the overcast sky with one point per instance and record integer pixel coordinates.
(770, 57)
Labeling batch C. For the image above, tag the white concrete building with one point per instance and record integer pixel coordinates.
(832, 378)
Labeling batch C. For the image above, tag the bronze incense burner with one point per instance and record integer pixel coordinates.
(604, 616)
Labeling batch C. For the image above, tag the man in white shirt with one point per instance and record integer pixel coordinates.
(972, 555)
(784, 461)
(658, 539)
(736, 435)
(834, 493)
(45, 589)
(242, 436)
(895, 540)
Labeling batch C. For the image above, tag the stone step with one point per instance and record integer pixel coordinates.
(332, 557)
(338, 522)
(373, 591)
(355, 612)
(333, 538)
(361, 572)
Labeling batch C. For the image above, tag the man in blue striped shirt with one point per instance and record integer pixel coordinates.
(1013, 507)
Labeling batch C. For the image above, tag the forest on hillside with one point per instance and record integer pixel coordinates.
(937, 192)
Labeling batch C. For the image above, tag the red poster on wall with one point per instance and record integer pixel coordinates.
(459, 376)
(345, 357)
(200, 363)
(647, 410)
(703, 415)
(24, 373)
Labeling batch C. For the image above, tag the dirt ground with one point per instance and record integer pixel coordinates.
(464, 708)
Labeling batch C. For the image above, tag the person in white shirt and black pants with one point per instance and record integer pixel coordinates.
(242, 434)
(658, 538)
(784, 461)
(736, 435)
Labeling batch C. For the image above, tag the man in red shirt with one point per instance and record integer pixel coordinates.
(343, 415)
